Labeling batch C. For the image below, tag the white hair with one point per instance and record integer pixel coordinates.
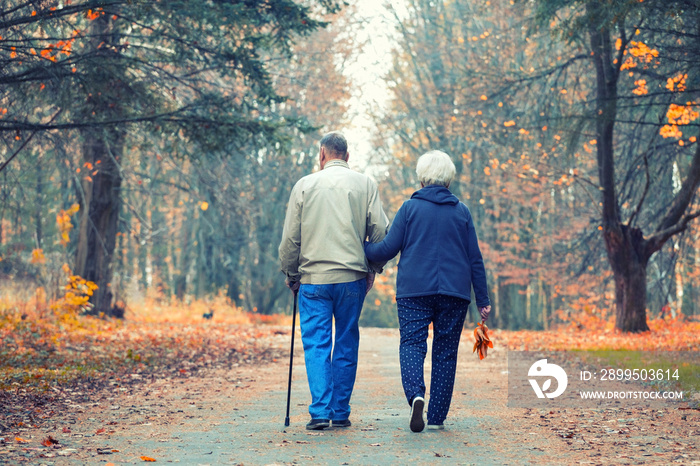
(435, 167)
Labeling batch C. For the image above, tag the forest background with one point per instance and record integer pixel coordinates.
(148, 149)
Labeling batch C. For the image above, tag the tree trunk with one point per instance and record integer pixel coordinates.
(543, 304)
(183, 260)
(627, 252)
(630, 298)
(2, 213)
(630, 290)
(497, 318)
(99, 216)
(628, 256)
(39, 233)
(106, 95)
(234, 279)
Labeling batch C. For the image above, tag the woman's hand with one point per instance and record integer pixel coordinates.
(484, 311)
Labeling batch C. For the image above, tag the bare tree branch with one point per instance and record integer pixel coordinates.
(647, 183)
(26, 141)
(684, 196)
(657, 241)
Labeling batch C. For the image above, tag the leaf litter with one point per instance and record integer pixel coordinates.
(51, 375)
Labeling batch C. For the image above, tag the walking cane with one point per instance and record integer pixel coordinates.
(291, 359)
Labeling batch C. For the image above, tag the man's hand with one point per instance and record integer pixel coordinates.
(292, 284)
(370, 281)
(484, 311)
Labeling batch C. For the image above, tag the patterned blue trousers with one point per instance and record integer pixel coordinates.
(447, 313)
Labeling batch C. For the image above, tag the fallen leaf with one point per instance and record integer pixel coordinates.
(21, 440)
(49, 441)
(101, 431)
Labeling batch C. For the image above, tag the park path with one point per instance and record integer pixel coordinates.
(237, 417)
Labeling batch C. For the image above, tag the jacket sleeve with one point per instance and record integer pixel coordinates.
(377, 225)
(477, 265)
(290, 246)
(392, 244)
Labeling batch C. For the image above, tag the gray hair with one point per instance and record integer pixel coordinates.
(435, 167)
(335, 143)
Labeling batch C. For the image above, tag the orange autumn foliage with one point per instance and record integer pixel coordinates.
(679, 334)
(642, 51)
(63, 222)
(44, 344)
(641, 88)
(38, 257)
(77, 293)
(678, 115)
(483, 342)
(677, 83)
(682, 114)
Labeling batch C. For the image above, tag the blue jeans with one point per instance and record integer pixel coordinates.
(447, 314)
(331, 369)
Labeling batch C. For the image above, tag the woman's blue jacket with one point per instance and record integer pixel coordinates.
(440, 252)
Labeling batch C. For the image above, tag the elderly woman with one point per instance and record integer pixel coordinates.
(440, 261)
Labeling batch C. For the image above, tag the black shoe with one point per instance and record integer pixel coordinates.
(343, 423)
(417, 423)
(318, 424)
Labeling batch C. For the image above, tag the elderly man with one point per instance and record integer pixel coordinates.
(329, 216)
